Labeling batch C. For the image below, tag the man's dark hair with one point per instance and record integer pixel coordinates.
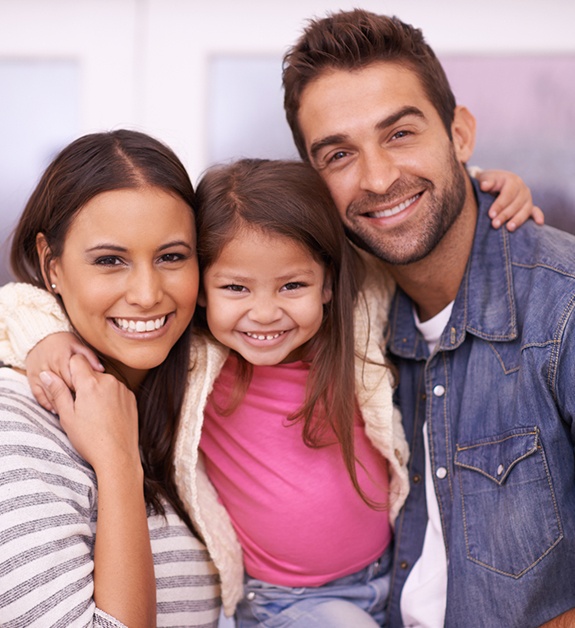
(351, 40)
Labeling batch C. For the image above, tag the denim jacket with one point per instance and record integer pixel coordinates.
(499, 398)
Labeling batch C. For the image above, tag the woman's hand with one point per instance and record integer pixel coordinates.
(100, 416)
(53, 354)
(513, 205)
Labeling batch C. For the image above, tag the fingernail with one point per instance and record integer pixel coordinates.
(496, 223)
(45, 378)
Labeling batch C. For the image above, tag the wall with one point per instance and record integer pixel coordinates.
(149, 64)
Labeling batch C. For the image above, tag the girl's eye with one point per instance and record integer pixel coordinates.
(293, 285)
(108, 260)
(233, 287)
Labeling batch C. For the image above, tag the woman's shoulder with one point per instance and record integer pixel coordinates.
(32, 439)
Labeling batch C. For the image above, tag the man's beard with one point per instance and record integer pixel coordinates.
(409, 243)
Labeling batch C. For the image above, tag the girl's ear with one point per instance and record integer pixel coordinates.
(47, 263)
(327, 290)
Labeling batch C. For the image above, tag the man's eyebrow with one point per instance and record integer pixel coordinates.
(398, 115)
(326, 141)
(339, 138)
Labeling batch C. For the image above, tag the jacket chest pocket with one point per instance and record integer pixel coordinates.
(510, 515)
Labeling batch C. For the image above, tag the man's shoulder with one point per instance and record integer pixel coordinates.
(543, 247)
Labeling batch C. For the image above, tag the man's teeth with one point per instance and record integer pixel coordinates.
(386, 213)
(140, 326)
(264, 336)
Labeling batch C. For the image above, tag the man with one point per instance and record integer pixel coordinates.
(481, 329)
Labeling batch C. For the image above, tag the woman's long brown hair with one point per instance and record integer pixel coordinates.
(91, 165)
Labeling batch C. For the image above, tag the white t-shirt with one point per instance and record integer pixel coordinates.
(424, 595)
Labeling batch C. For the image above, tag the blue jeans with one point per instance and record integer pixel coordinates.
(358, 600)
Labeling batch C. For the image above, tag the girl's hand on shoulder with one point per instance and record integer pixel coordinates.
(514, 204)
(100, 418)
(53, 354)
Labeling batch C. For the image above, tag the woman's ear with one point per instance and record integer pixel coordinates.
(463, 133)
(47, 263)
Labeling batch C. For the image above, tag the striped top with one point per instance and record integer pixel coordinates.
(48, 512)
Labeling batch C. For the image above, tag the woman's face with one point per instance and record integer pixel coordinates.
(128, 276)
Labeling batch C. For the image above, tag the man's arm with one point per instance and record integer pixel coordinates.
(565, 620)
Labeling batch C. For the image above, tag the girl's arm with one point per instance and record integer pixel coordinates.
(29, 317)
(513, 205)
(101, 421)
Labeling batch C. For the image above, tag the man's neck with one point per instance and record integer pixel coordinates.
(433, 282)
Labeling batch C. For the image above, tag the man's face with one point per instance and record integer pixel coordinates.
(381, 147)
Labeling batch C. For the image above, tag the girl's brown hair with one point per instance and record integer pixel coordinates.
(289, 199)
(87, 167)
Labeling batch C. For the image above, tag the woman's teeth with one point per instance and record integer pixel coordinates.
(139, 326)
(264, 336)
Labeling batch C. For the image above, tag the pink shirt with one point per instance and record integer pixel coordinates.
(296, 513)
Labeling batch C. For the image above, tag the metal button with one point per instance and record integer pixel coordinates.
(439, 390)
(441, 472)
(416, 478)
(404, 564)
(500, 469)
(251, 595)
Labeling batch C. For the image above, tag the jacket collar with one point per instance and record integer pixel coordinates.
(485, 303)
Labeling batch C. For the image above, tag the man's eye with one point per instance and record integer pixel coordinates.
(400, 134)
(340, 154)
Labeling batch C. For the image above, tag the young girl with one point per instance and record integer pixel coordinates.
(290, 456)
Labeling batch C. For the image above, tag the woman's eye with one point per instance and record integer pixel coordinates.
(172, 257)
(108, 260)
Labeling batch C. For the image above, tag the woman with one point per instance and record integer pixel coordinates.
(92, 531)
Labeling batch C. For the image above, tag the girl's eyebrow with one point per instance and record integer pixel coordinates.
(231, 276)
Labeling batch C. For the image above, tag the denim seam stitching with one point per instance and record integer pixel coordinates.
(549, 549)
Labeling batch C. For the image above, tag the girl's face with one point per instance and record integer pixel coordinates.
(128, 276)
(264, 297)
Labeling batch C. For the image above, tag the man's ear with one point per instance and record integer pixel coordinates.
(47, 263)
(463, 133)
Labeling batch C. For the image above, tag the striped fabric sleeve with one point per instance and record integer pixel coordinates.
(48, 515)
(47, 521)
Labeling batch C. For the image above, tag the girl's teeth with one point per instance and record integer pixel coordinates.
(264, 337)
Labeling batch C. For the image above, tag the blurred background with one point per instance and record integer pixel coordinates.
(205, 77)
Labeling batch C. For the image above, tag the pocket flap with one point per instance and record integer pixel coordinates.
(496, 457)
